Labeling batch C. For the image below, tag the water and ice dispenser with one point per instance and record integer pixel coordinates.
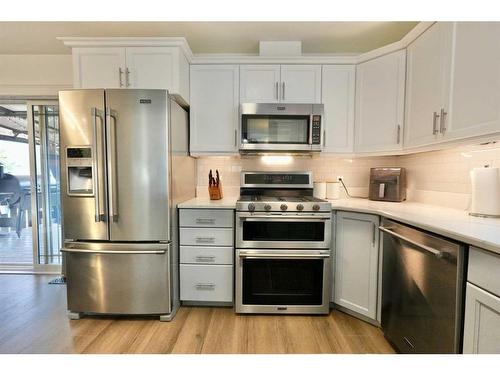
(80, 171)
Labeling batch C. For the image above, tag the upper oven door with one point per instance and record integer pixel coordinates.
(283, 231)
(280, 127)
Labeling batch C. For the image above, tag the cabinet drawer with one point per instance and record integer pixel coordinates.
(206, 218)
(483, 270)
(206, 255)
(206, 236)
(206, 283)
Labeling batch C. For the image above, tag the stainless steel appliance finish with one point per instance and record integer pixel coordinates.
(297, 230)
(281, 127)
(283, 238)
(289, 263)
(423, 290)
(135, 186)
(112, 278)
(387, 184)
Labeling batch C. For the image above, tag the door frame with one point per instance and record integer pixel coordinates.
(37, 267)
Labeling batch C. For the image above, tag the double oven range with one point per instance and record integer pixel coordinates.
(283, 238)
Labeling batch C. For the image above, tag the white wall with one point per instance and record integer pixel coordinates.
(35, 75)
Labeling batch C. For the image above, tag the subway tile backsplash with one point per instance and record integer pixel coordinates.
(437, 177)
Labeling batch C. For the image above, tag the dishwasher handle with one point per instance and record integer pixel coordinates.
(436, 252)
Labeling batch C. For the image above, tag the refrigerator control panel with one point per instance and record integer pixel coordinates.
(80, 171)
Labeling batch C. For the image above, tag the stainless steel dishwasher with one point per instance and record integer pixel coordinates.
(422, 290)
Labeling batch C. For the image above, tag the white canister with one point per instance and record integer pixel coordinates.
(333, 190)
(319, 190)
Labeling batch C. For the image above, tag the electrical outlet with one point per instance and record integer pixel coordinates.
(340, 178)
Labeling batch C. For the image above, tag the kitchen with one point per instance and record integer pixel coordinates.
(294, 201)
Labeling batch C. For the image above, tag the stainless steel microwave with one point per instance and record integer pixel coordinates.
(281, 127)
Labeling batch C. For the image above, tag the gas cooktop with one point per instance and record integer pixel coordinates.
(260, 192)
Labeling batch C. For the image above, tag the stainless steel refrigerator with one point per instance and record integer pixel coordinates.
(124, 167)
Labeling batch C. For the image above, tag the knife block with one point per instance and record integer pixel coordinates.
(215, 192)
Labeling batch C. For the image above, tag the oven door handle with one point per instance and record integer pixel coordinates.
(284, 218)
(259, 255)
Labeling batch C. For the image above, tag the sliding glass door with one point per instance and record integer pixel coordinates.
(43, 120)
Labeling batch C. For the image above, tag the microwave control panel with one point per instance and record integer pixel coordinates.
(316, 129)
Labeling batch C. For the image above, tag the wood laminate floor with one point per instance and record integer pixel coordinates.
(33, 320)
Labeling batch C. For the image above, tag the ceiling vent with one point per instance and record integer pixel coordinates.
(276, 48)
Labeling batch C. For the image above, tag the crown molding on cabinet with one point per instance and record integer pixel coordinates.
(129, 42)
(225, 58)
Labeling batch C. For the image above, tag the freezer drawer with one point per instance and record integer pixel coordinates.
(206, 283)
(207, 255)
(206, 218)
(118, 278)
(207, 236)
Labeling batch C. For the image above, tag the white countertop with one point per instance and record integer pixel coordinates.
(448, 222)
(202, 202)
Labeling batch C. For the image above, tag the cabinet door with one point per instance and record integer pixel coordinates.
(214, 108)
(259, 83)
(380, 88)
(99, 68)
(152, 67)
(475, 87)
(482, 322)
(300, 84)
(356, 260)
(337, 94)
(428, 65)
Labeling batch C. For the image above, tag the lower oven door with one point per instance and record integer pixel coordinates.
(282, 281)
(283, 231)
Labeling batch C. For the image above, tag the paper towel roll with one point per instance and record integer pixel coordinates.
(485, 199)
(333, 190)
(320, 190)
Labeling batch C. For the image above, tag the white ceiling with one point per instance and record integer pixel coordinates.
(208, 37)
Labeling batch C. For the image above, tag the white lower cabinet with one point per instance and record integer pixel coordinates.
(356, 263)
(482, 303)
(206, 255)
(482, 322)
(211, 283)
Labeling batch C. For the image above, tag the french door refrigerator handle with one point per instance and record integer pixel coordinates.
(111, 153)
(97, 170)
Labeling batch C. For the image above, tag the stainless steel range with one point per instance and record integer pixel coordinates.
(283, 238)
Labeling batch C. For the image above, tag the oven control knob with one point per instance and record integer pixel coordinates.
(300, 207)
(267, 207)
(316, 207)
(251, 207)
(284, 207)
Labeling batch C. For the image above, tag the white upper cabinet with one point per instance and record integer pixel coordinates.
(99, 67)
(214, 109)
(132, 67)
(380, 89)
(337, 94)
(300, 84)
(474, 108)
(259, 83)
(428, 75)
(356, 263)
(158, 67)
(280, 83)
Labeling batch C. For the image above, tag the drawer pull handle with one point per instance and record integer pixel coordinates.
(201, 258)
(205, 239)
(205, 221)
(205, 286)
